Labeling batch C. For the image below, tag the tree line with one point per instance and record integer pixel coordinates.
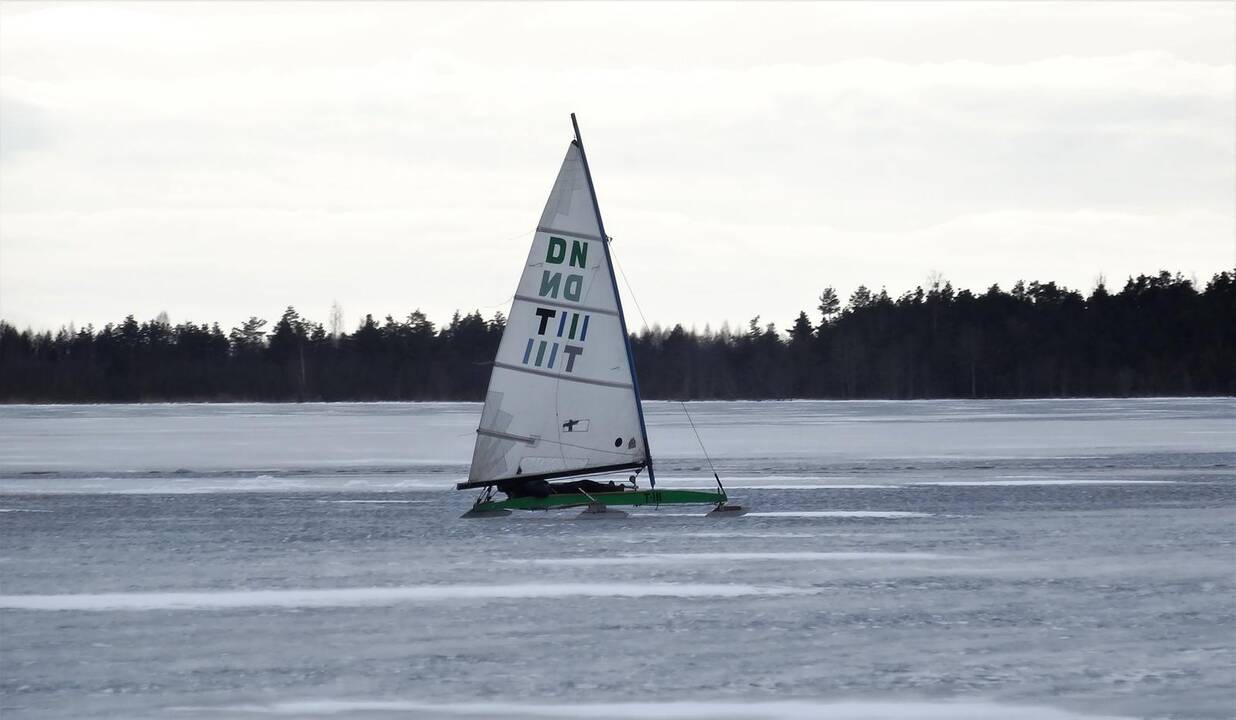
(1158, 335)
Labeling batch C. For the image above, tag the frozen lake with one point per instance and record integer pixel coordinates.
(953, 559)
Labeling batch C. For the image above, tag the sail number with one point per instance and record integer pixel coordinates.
(552, 283)
(561, 329)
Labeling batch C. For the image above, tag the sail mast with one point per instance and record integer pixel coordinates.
(622, 320)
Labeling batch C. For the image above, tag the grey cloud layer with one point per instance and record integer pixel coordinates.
(231, 160)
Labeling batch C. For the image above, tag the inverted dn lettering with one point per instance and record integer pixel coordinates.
(552, 285)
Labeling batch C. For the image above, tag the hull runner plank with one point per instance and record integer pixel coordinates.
(629, 498)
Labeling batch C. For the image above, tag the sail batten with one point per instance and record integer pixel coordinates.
(563, 398)
(560, 376)
(567, 306)
(568, 233)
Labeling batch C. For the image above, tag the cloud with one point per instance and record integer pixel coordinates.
(384, 155)
(24, 128)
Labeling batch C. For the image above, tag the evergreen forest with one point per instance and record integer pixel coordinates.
(1157, 335)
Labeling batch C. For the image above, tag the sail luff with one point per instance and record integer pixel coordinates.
(622, 320)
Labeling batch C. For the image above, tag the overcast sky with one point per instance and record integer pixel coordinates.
(217, 161)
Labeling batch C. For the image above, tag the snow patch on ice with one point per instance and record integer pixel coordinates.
(1056, 481)
(377, 502)
(731, 535)
(209, 485)
(677, 710)
(839, 514)
(674, 558)
(785, 486)
(373, 596)
(884, 514)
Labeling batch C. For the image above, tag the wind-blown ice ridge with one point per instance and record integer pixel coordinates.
(676, 710)
(676, 558)
(374, 596)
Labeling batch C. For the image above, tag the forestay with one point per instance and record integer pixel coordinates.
(561, 396)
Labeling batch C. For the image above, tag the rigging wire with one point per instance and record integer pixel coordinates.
(522, 234)
(507, 301)
(681, 404)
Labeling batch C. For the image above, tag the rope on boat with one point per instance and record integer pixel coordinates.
(682, 404)
(705, 450)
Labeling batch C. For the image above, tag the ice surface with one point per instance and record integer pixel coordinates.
(730, 557)
(1036, 559)
(784, 710)
(394, 447)
(359, 597)
(1042, 481)
(884, 514)
(377, 502)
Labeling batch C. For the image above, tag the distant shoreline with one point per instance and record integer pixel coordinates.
(1158, 336)
(694, 401)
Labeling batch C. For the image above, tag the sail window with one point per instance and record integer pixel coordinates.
(574, 425)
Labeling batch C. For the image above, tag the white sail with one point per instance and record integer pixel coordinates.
(561, 396)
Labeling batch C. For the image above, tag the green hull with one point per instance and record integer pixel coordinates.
(637, 497)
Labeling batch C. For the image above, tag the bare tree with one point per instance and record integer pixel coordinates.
(336, 319)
